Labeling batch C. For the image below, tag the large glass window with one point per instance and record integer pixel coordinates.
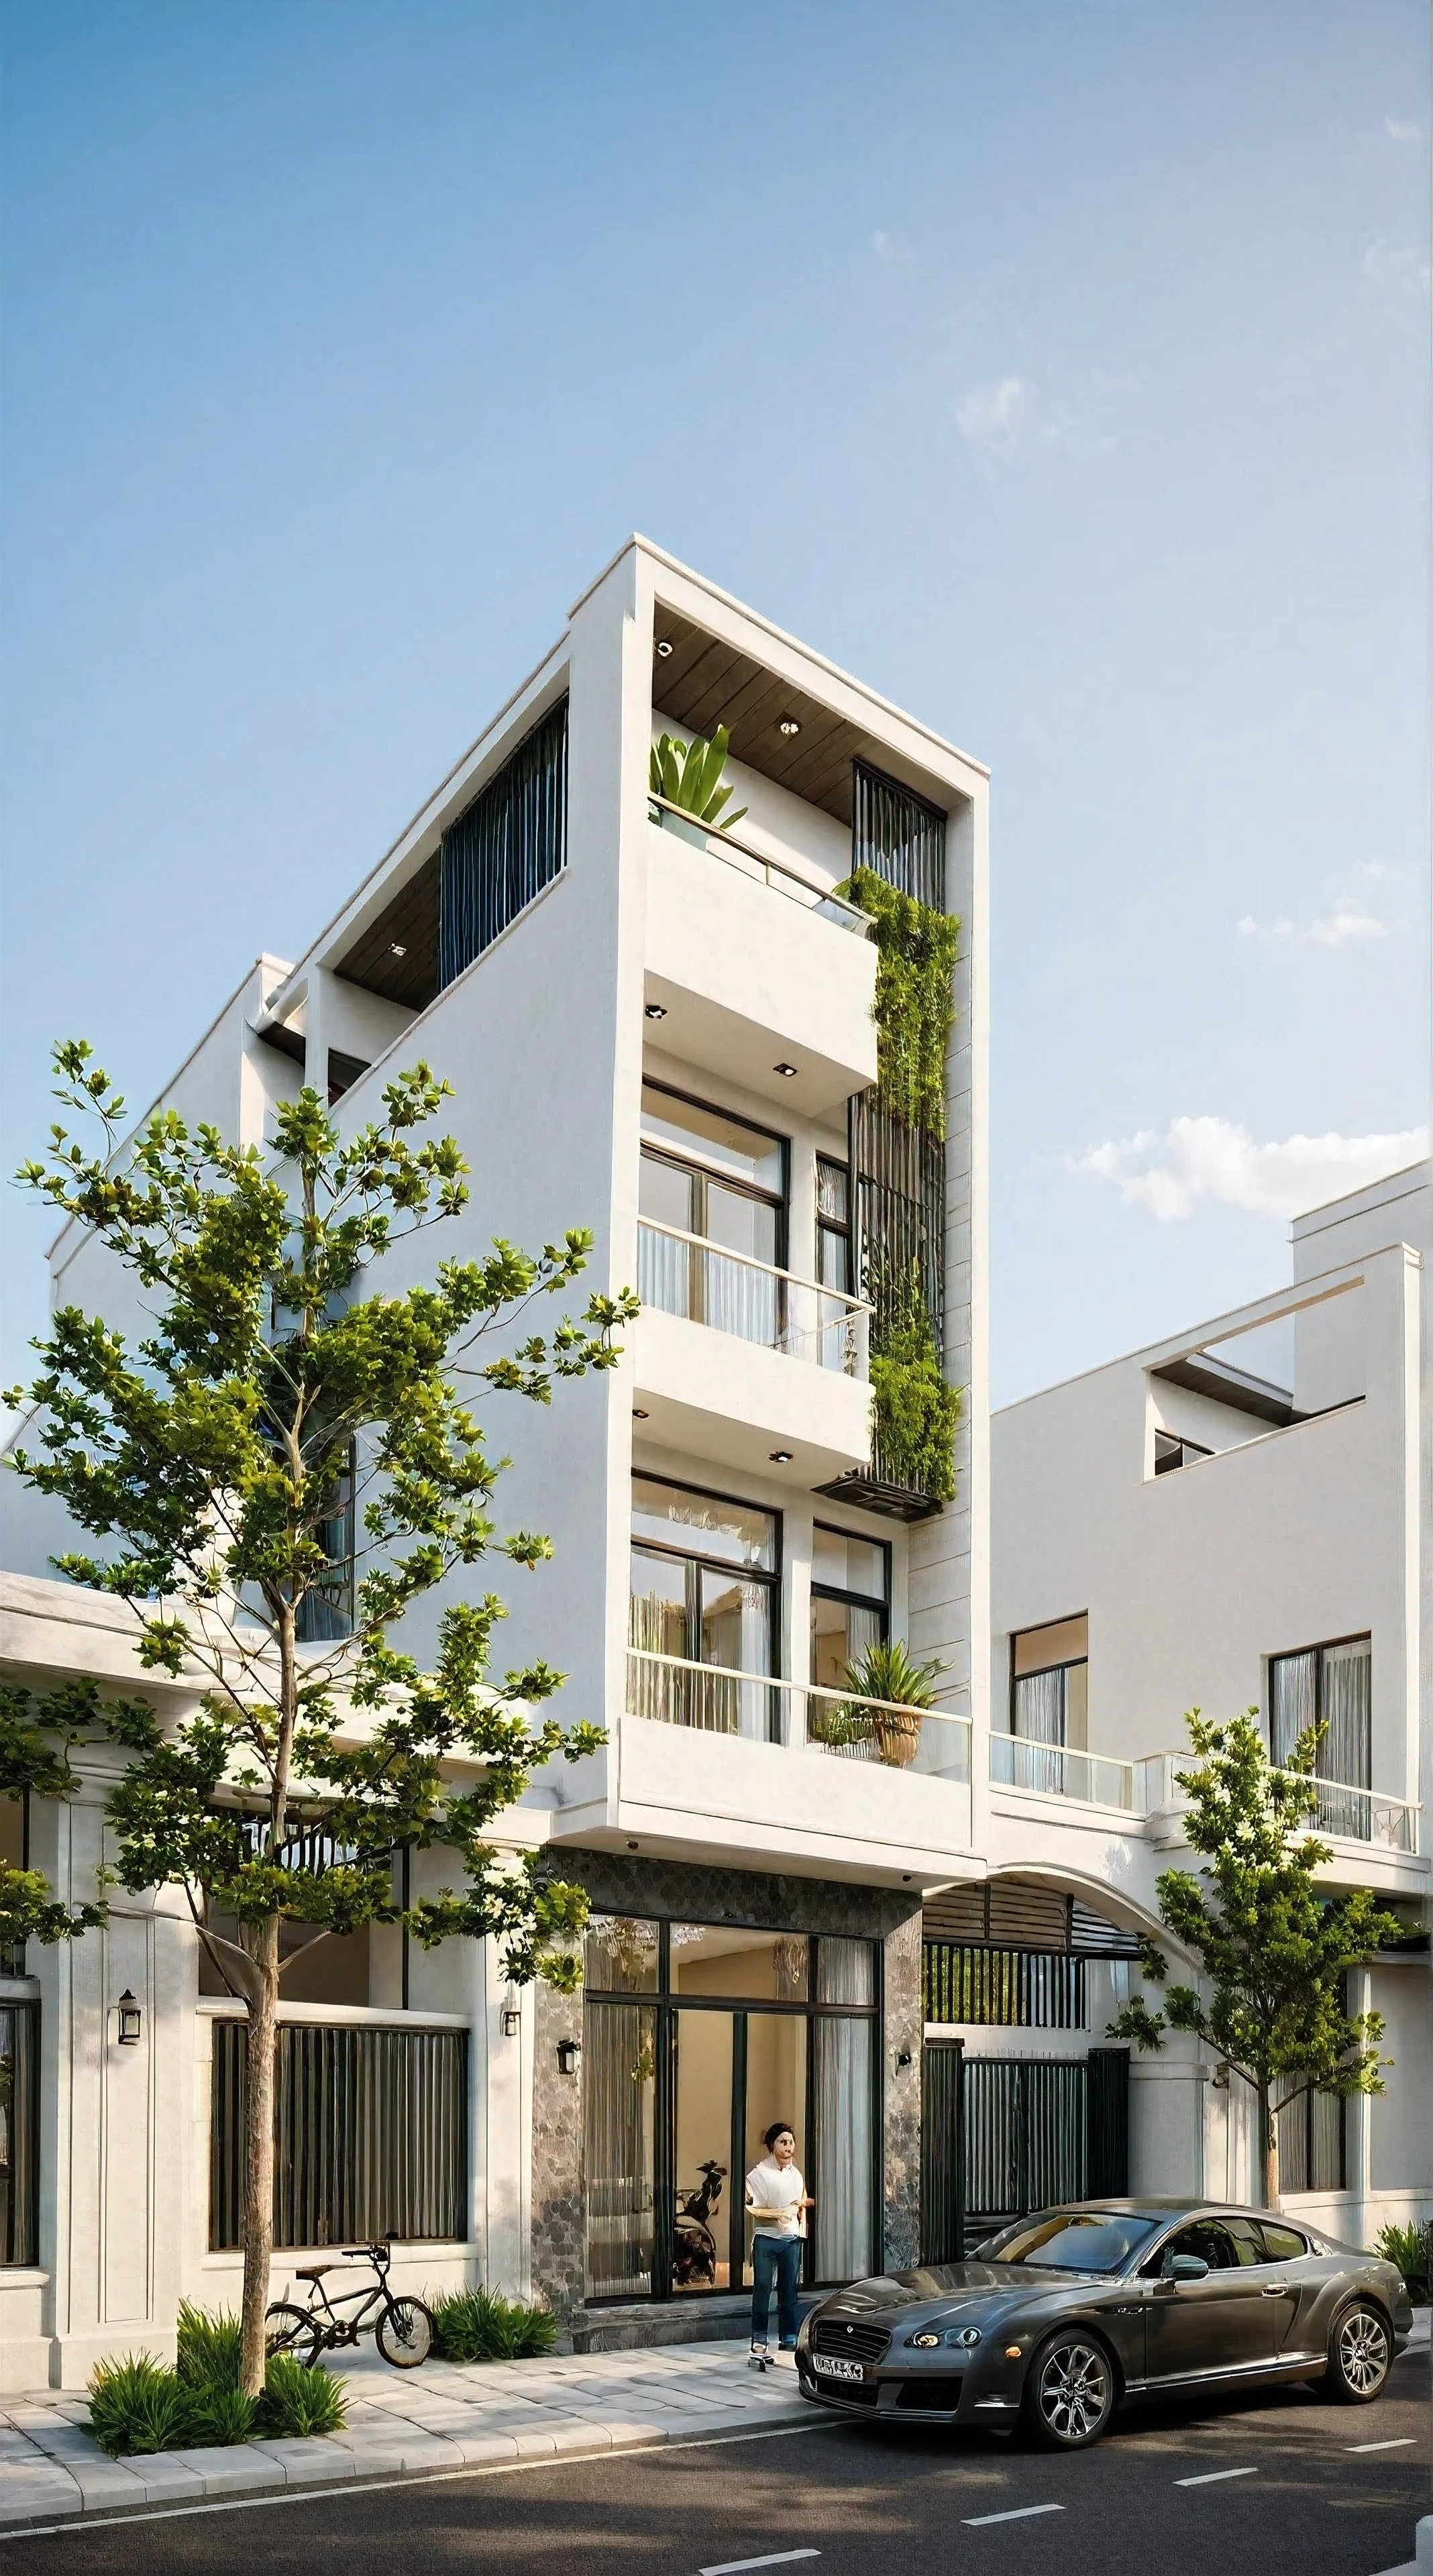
(850, 1594)
(739, 2027)
(1332, 1687)
(1049, 1704)
(704, 1591)
(709, 1175)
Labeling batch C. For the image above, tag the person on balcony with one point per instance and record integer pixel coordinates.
(777, 2201)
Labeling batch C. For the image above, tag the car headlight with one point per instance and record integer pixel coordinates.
(925, 2342)
(967, 2335)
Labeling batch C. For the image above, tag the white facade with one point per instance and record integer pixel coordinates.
(1298, 1519)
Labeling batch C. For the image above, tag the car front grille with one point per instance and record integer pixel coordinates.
(932, 2391)
(853, 2342)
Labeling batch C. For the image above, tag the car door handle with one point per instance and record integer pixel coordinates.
(1277, 2290)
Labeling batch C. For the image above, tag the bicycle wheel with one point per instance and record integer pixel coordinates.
(290, 2329)
(405, 2333)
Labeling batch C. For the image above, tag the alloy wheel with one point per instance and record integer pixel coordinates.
(1362, 2352)
(1073, 2391)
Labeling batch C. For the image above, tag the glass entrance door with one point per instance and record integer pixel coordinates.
(703, 2055)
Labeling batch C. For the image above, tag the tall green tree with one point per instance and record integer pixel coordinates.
(1273, 1949)
(283, 1467)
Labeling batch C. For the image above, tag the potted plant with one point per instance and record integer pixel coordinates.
(688, 774)
(888, 1673)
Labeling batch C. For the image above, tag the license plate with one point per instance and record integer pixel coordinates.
(828, 2367)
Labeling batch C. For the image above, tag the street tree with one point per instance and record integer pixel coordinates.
(1273, 1949)
(276, 1474)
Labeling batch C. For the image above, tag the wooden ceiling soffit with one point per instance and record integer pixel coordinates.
(702, 683)
(410, 923)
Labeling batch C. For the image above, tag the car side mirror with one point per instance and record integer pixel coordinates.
(1184, 2267)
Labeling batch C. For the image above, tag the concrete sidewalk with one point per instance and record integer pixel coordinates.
(400, 2424)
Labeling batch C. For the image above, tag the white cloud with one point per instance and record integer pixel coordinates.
(1347, 926)
(1396, 271)
(1400, 132)
(1212, 1158)
(887, 249)
(994, 415)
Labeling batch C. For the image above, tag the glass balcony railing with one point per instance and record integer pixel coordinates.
(684, 1274)
(1145, 1787)
(715, 1701)
(1057, 1771)
(759, 864)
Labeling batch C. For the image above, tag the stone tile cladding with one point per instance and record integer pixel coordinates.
(683, 1891)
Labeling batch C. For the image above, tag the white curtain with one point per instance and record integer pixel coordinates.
(1292, 1696)
(845, 2143)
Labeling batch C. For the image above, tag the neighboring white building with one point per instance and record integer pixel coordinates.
(666, 1035)
(1240, 1517)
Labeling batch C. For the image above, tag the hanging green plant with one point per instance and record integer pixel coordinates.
(688, 774)
(916, 1412)
(916, 949)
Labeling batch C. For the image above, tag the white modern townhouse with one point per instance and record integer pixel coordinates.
(874, 1922)
(1239, 1518)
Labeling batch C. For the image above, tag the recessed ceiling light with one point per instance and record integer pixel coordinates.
(788, 1070)
(662, 649)
(639, 1413)
(656, 1010)
(396, 948)
(782, 1457)
(789, 725)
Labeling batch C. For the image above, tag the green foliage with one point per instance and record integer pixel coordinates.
(139, 2405)
(297, 2402)
(481, 2325)
(917, 1411)
(689, 775)
(888, 1672)
(1411, 2249)
(36, 1738)
(1273, 1950)
(916, 950)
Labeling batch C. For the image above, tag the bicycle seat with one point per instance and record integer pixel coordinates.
(315, 2271)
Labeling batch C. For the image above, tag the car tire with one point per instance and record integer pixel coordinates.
(1070, 2392)
(1360, 2354)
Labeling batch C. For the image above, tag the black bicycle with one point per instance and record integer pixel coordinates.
(403, 2328)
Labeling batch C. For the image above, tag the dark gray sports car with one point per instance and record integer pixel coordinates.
(1059, 2317)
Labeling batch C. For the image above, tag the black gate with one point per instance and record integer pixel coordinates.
(1003, 2135)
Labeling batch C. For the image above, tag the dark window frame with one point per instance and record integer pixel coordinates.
(779, 1201)
(695, 1558)
(1318, 1649)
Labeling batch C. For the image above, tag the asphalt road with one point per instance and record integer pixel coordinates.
(854, 2501)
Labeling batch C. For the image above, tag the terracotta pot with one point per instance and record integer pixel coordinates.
(897, 1738)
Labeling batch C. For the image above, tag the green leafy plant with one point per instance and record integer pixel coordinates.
(689, 775)
(298, 2402)
(208, 2346)
(1273, 1949)
(280, 1371)
(916, 1410)
(1411, 2248)
(220, 2415)
(481, 2325)
(138, 2405)
(887, 1672)
(916, 952)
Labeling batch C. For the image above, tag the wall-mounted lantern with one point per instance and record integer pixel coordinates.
(131, 2020)
(569, 2053)
(904, 2057)
(512, 2019)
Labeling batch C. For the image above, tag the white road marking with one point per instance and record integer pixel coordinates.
(1019, 2513)
(1401, 2442)
(1212, 2477)
(778, 2558)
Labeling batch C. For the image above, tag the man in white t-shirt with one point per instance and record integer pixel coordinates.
(777, 2201)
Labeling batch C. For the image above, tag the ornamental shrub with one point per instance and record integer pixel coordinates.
(481, 2325)
(916, 949)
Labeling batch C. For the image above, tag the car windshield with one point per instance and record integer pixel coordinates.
(1071, 2240)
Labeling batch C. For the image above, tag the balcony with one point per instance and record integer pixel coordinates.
(715, 1701)
(755, 965)
(737, 1359)
(1149, 1788)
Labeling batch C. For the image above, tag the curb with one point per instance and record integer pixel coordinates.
(164, 2491)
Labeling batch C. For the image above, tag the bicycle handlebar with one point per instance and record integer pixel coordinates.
(381, 2255)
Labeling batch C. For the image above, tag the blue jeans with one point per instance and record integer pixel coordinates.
(775, 2258)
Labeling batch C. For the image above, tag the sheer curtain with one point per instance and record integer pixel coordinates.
(1345, 1753)
(1040, 1719)
(845, 2126)
(1293, 1691)
(618, 2092)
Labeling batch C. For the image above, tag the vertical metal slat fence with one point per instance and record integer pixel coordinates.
(370, 2134)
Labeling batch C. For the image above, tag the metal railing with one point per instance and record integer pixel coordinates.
(1057, 1771)
(716, 1701)
(1350, 1814)
(684, 1274)
(758, 864)
(370, 2134)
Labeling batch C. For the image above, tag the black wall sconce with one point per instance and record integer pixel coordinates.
(569, 2053)
(512, 2021)
(904, 2057)
(131, 2020)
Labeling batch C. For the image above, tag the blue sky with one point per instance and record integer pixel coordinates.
(1062, 371)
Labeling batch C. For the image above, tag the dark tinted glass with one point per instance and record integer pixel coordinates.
(1282, 2245)
(1071, 2240)
(1247, 2238)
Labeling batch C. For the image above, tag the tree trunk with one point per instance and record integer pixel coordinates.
(1268, 2150)
(258, 2223)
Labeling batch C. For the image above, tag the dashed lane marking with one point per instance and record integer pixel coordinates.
(1401, 2442)
(1018, 2513)
(1213, 2477)
(777, 2558)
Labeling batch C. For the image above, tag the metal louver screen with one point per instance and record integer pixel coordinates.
(899, 835)
(1014, 1917)
(511, 842)
(370, 2135)
(1024, 2134)
(900, 1210)
(967, 1982)
(19, 2133)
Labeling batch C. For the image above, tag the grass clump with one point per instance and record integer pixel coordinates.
(139, 2405)
(1411, 2248)
(481, 2325)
